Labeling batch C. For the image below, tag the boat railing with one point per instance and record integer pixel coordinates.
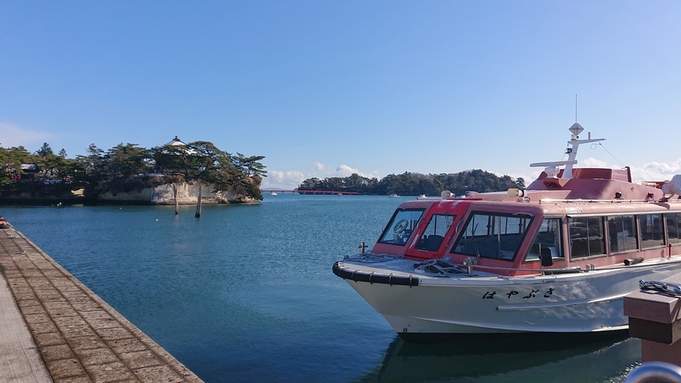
(567, 270)
(564, 270)
(553, 200)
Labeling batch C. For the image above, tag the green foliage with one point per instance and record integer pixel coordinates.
(93, 170)
(416, 183)
(123, 167)
(354, 183)
(51, 167)
(10, 163)
(249, 166)
(45, 150)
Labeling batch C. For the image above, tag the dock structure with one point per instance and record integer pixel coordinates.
(655, 318)
(54, 329)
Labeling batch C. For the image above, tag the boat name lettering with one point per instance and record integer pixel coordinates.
(573, 210)
(510, 294)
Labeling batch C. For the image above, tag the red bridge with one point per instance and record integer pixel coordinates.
(308, 191)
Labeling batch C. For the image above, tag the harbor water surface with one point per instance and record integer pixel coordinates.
(246, 294)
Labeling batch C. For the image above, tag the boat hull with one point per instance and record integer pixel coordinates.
(475, 305)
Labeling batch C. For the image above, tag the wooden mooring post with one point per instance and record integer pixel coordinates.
(177, 210)
(198, 205)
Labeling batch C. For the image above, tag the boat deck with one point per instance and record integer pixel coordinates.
(54, 329)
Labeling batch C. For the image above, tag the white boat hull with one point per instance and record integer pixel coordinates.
(462, 304)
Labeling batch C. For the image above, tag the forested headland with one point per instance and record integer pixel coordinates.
(126, 168)
(416, 184)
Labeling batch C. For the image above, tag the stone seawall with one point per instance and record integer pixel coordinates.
(65, 332)
(187, 194)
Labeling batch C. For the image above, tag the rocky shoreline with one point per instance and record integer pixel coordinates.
(187, 194)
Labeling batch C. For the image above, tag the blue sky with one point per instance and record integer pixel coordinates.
(324, 88)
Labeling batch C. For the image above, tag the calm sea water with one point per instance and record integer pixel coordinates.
(246, 294)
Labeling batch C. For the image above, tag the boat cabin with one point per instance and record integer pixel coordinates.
(515, 238)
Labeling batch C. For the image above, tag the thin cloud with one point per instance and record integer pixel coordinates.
(346, 171)
(282, 179)
(594, 163)
(651, 171)
(12, 136)
(656, 171)
(322, 171)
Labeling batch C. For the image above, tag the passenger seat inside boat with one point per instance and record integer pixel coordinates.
(434, 241)
(430, 243)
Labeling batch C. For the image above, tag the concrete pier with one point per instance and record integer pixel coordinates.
(54, 329)
(655, 318)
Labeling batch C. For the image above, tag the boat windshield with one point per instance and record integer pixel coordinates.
(493, 235)
(547, 240)
(401, 226)
(435, 232)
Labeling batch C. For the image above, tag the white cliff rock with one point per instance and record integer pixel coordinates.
(187, 194)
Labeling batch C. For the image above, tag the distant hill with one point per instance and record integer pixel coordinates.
(416, 183)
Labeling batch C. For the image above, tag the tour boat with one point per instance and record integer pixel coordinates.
(556, 257)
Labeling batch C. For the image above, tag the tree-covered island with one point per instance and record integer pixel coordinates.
(130, 170)
(416, 184)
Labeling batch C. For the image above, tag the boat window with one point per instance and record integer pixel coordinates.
(401, 226)
(652, 234)
(489, 235)
(674, 228)
(435, 232)
(623, 234)
(586, 237)
(548, 237)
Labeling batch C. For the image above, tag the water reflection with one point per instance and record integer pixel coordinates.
(606, 358)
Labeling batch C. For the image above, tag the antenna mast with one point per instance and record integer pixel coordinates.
(575, 108)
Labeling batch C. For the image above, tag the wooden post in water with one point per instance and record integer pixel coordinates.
(177, 211)
(198, 205)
